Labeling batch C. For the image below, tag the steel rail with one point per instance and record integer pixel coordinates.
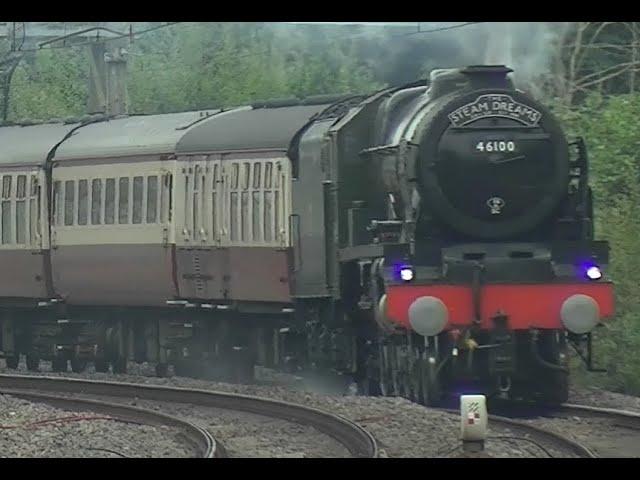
(352, 436)
(198, 438)
(540, 434)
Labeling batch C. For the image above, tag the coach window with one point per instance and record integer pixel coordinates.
(234, 175)
(195, 201)
(57, 203)
(268, 202)
(34, 211)
(21, 187)
(201, 201)
(245, 215)
(233, 202)
(246, 173)
(234, 216)
(138, 186)
(110, 201)
(21, 209)
(255, 207)
(152, 199)
(268, 168)
(277, 201)
(69, 201)
(166, 198)
(169, 184)
(276, 214)
(123, 200)
(234, 210)
(6, 209)
(96, 201)
(185, 214)
(276, 181)
(83, 200)
(6, 187)
(268, 224)
(214, 201)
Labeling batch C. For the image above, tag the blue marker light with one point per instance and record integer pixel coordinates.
(406, 274)
(594, 273)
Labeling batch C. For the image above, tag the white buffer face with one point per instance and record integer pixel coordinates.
(580, 313)
(428, 316)
(473, 418)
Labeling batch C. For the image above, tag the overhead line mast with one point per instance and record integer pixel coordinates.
(107, 84)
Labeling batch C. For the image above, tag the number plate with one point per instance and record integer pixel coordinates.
(495, 146)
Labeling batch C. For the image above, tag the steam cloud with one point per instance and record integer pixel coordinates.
(527, 48)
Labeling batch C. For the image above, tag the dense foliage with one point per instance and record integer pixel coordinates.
(610, 126)
(587, 71)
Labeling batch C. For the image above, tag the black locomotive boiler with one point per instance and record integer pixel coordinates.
(418, 240)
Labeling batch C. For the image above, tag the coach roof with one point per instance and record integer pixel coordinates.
(248, 128)
(129, 136)
(263, 126)
(30, 145)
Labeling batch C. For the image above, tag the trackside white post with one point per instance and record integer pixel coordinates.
(473, 422)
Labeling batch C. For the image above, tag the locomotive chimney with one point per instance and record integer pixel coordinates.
(488, 76)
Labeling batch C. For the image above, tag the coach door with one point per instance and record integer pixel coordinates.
(199, 260)
(255, 213)
(23, 233)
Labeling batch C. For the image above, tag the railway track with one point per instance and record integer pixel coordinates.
(354, 438)
(603, 432)
(551, 441)
(198, 439)
(569, 430)
(618, 434)
(543, 438)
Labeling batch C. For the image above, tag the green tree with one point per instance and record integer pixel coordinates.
(607, 123)
(53, 86)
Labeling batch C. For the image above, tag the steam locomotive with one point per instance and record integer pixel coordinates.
(419, 240)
